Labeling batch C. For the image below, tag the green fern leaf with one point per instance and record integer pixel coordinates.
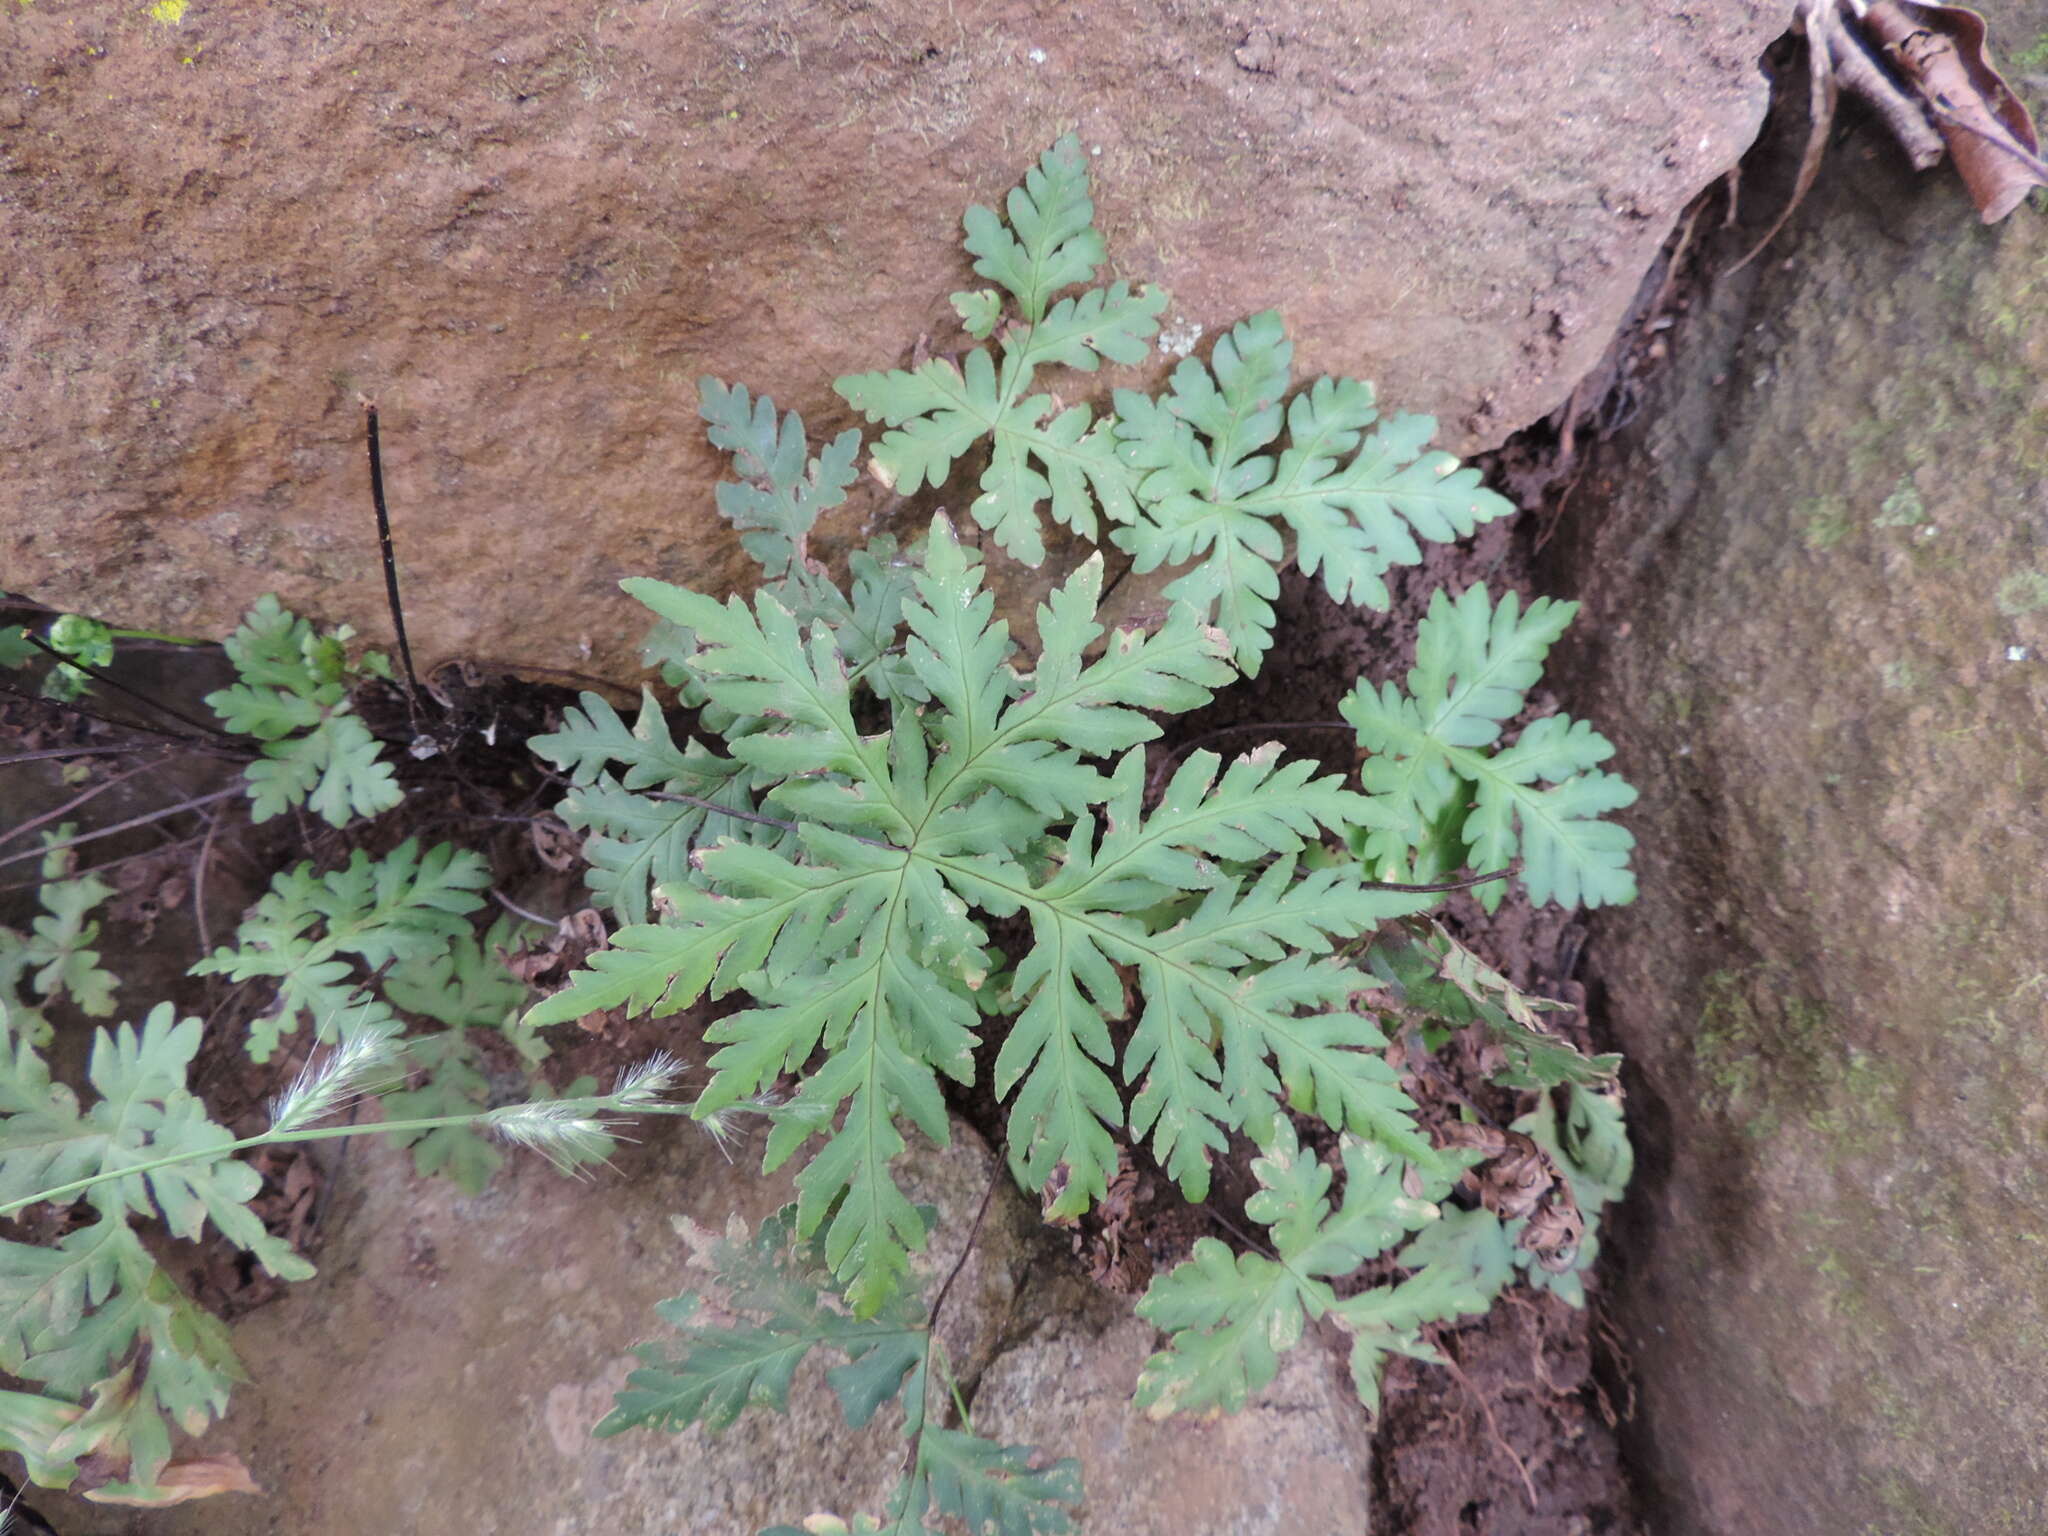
(70, 1315)
(980, 311)
(59, 950)
(594, 737)
(1051, 242)
(1208, 975)
(1040, 454)
(402, 906)
(16, 649)
(1230, 1317)
(781, 491)
(994, 1490)
(453, 1085)
(1475, 662)
(464, 985)
(30, 1424)
(294, 680)
(1211, 487)
(633, 841)
(714, 1374)
(1461, 1264)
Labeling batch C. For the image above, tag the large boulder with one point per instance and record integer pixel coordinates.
(1823, 613)
(527, 229)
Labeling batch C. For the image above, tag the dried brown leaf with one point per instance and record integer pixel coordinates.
(180, 1482)
(1942, 51)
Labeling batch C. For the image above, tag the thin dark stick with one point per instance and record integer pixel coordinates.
(931, 1319)
(72, 804)
(226, 746)
(124, 826)
(101, 675)
(1239, 1233)
(384, 543)
(93, 869)
(57, 752)
(974, 1231)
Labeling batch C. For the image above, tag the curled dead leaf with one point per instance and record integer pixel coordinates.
(546, 967)
(1943, 53)
(180, 1482)
(555, 845)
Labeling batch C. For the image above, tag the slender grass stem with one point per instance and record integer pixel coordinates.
(603, 1104)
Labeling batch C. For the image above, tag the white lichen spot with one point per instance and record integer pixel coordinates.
(1179, 338)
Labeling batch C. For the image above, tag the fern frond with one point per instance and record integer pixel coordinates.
(59, 950)
(992, 1489)
(1475, 662)
(452, 1083)
(1040, 454)
(781, 491)
(400, 907)
(295, 680)
(1051, 242)
(714, 1374)
(787, 1308)
(1434, 976)
(1208, 977)
(71, 1315)
(1212, 487)
(857, 936)
(633, 841)
(1230, 1317)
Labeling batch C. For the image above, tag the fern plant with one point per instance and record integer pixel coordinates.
(924, 853)
(862, 934)
(1039, 453)
(1449, 801)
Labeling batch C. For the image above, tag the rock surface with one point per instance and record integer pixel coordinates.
(443, 1371)
(527, 229)
(1825, 658)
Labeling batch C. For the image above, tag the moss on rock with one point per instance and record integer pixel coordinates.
(1836, 986)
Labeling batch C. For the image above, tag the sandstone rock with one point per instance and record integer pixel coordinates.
(443, 1371)
(1824, 657)
(528, 229)
(1299, 1458)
